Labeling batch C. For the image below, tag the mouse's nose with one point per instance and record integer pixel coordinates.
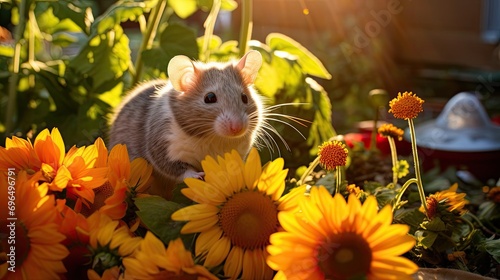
(236, 127)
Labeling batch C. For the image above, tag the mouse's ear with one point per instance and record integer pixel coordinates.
(249, 66)
(181, 72)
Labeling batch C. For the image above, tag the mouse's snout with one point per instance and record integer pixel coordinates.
(228, 125)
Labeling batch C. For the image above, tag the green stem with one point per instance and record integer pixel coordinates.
(338, 179)
(401, 192)
(148, 37)
(417, 165)
(209, 28)
(16, 62)
(246, 26)
(394, 157)
(308, 171)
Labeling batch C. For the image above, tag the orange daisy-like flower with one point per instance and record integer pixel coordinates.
(406, 106)
(126, 180)
(33, 241)
(20, 154)
(332, 239)
(153, 261)
(453, 202)
(390, 130)
(236, 212)
(332, 154)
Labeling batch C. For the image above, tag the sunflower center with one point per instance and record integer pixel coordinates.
(345, 256)
(248, 219)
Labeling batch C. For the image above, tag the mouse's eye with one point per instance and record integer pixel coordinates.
(244, 98)
(210, 98)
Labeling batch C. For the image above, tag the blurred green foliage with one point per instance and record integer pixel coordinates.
(75, 65)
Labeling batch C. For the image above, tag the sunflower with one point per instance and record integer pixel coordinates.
(109, 243)
(153, 261)
(452, 201)
(34, 227)
(236, 212)
(406, 106)
(332, 239)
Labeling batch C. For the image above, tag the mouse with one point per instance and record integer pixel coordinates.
(203, 109)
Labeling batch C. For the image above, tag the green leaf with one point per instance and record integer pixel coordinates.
(155, 212)
(492, 246)
(183, 8)
(321, 128)
(179, 39)
(121, 11)
(435, 224)
(77, 11)
(309, 62)
(426, 238)
(102, 62)
(176, 39)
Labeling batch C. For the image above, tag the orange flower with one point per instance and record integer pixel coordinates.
(332, 154)
(390, 130)
(33, 224)
(452, 201)
(20, 154)
(125, 178)
(406, 106)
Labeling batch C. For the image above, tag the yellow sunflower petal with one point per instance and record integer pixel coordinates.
(218, 253)
(399, 264)
(234, 262)
(195, 212)
(253, 168)
(200, 225)
(203, 192)
(216, 176)
(206, 239)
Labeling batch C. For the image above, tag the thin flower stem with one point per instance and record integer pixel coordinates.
(338, 179)
(308, 171)
(209, 26)
(394, 156)
(417, 165)
(401, 192)
(148, 37)
(246, 26)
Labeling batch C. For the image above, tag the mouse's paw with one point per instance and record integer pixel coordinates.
(193, 174)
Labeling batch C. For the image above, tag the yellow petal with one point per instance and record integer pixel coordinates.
(200, 225)
(206, 239)
(234, 262)
(218, 253)
(195, 212)
(253, 168)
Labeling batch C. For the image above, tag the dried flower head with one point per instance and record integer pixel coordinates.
(452, 201)
(332, 154)
(494, 195)
(390, 130)
(406, 106)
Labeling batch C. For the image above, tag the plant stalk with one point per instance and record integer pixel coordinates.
(209, 26)
(148, 37)
(417, 165)
(16, 62)
(394, 157)
(308, 171)
(246, 26)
